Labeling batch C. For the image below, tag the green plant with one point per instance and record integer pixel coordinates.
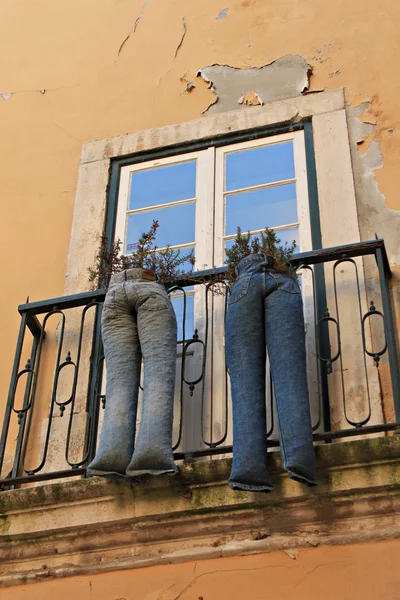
(166, 264)
(267, 243)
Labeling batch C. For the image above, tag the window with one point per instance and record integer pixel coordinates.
(199, 199)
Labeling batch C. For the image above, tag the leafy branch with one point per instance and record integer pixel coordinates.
(165, 264)
(267, 243)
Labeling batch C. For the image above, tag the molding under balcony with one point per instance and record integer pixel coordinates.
(93, 525)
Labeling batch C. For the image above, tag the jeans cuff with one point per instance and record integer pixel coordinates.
(245, 487)
(139, 472)
(310, 481)
(110, 475)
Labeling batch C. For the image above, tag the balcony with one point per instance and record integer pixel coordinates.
(53, 413)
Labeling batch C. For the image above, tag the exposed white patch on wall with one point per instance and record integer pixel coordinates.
(375, 217)
(285, 77)
(222, 14)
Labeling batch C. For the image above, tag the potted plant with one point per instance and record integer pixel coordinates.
(265, 311)
(138, 322)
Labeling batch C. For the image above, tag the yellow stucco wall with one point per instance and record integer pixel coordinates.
(367, 571)
(113, 66)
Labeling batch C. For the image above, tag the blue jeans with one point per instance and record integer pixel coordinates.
(265, 310)
(137, 320)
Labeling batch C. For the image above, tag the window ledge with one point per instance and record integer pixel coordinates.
(92, 525)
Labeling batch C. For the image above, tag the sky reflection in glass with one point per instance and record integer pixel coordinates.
(177, 226)
(161, 185)
(268, 207)
(258, 166)
(284, 235)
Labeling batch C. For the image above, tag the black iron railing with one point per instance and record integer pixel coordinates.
(25, 403)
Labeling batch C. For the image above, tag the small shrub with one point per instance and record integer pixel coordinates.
(165, 264)
(267, 244)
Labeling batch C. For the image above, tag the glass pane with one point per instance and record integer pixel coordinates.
(269, 207)
(187, 266)
(189, 324)
(177, 225)
(161, 185)
(286, 235)
(266, 164)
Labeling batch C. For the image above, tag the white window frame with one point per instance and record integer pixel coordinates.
(303, 210)
(210, 196)
(203, 200)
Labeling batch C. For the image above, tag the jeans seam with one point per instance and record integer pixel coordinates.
(282, 289)
(110, 305)
(282, 443)
(288, 292)
(124, 292)
(130, 303)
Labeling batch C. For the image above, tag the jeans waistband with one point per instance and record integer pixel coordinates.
(138, 275)
(253, 262)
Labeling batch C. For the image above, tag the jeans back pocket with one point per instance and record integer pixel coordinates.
(240, 288)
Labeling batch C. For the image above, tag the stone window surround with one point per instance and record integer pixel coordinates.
(336, 197)
(338, 214)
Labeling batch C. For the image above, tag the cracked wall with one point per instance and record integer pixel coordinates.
(365, 571)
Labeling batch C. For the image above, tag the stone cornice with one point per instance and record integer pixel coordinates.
(88, 526)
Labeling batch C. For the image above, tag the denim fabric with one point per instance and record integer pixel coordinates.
(265, 310)
(138, 320)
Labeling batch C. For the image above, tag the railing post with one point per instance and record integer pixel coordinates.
(323, 342)
(390, 330)
(95, 373)
(11, 392)
(319, 274)
(23, 433)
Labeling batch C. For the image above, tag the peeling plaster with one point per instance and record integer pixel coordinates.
(222, 14)
(285, 77)
(251, 99)
(189, 85)
(375, 217)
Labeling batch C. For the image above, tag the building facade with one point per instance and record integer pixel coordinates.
(205, 117)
